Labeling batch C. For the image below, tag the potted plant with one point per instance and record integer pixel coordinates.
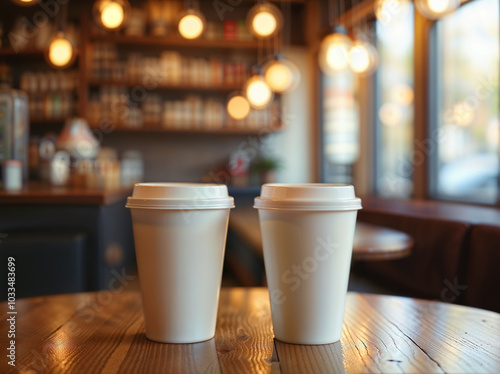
(266, 168)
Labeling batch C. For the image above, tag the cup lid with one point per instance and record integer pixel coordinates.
(180, 196)
(308, 196)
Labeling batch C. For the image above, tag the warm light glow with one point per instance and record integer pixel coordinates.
(191, 26)
(402, 94)
(387, 11)
(435, 9)
(359, 59)
(264, 20)
(334, 53)
(264, 24)
(112, 15)
(258, 92)
(438, 6)
(463, 114)
(60, 51)
(363, 58)
(390, 114)
(238, 107)
(26, 2)
(282, 75)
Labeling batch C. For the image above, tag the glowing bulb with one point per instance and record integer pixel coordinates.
(191, 25)
(281, 75)
(438, 6)
(363, 58)
(60, 52)
(238, 107)
(264, 24)
(334, 53)
(26, 2)
(434, 9)
(359, 59)
(388, 11)
(264, 20)
(112, 15)
(258, 92)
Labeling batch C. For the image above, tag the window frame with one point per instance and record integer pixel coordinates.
(434, 102)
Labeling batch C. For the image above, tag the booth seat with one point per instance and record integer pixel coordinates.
(456, 252)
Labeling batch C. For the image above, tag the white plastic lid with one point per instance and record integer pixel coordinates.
(180, 196)
(308, 196)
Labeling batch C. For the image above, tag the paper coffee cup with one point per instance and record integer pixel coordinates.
(307, 236)
(180, 234)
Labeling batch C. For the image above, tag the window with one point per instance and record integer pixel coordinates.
(394, 109)
(465, 114)
(340, 127)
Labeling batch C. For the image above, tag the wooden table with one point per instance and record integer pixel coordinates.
(104, 332)
(371, 242)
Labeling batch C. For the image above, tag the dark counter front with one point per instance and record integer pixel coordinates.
(65, 240)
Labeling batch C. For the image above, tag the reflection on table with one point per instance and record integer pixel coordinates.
(104, 332)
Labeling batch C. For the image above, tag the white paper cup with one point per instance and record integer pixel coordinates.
(180, 234)
(307, 236)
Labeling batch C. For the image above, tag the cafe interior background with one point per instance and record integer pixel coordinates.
(398, 98)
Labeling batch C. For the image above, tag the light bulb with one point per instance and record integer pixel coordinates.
(111, 14)
(258, 92)
(60, 53)
(363, 58)
(191, 24)
(238, 107)
(26, 2)
(387, 11)
(281, 75)
(334, 53)
(434, 9)
(264, 20)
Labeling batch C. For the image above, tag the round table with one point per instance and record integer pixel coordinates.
(371, 242)
(104, 332)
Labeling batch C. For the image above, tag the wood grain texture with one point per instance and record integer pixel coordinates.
(104, 333)
(371, 242)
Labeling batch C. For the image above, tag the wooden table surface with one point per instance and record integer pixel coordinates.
(104, 332)
(371, 242)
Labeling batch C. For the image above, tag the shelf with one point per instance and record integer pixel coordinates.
(193, 130)
(166, 87)
(11, 54)
(176, 42)
(46, 121)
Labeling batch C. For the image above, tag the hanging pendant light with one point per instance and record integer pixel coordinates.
(388, 11)
(238, 106)
(264, 20)
(363, 58)
(61, 52)
(281, 74)
(191, 22)
(334, 51)
(25, 2)
(111, 14)
(435, 9)
(258, 92)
